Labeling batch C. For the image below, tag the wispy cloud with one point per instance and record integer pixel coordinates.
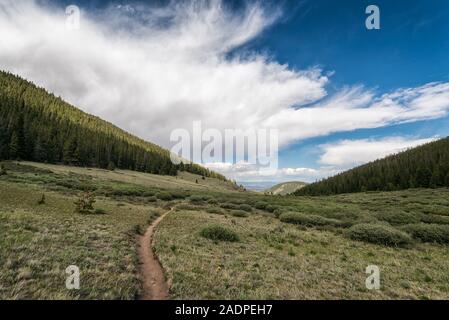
(346, 154)
(334, 158)
(154, 69)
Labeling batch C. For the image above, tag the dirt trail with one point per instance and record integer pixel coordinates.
(154, 285)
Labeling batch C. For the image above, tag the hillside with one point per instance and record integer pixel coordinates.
(426, 166)
(285, 188)
(37, 126)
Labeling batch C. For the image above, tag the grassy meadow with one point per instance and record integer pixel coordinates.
(218, 242)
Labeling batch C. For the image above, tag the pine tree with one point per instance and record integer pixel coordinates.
(423, 176)
(36, 125)
(14, 147)
(424, 166)
(39, 153)
(4, 145)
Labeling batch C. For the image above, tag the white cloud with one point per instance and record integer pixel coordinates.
(244, 171)
(153, 69)
(350, 153)
(156, 71)
(355, 108)
(335, 158)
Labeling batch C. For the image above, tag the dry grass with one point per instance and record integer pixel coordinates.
(39, 242)
(274, 260)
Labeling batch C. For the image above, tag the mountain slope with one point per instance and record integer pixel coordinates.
(286, 188)
(37, 126)
(422, 167)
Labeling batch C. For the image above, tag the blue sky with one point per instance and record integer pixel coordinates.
(385, 90)
(410, 49)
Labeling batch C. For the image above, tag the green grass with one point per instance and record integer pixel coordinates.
(274, 260)
(219, 233)
(288, 247)
(39, 242)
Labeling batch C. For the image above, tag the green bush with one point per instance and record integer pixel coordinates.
(212, 201)
(99, 211)
(152, 199)
(277, 212)
(379, 234)
(219, 233)
(41, 200)
(239, 213)
(84, 204)
(214, 210)
(196, 199)
(260, 205)
(187, 207)
(428, 232)
(137, 229)
(178, 195)
(398, 218)
(308, 220)
(164, 196)
(245, 207)
(228, 205)
(134, 192)
(271, 208)
(111, 166)
(434, 219)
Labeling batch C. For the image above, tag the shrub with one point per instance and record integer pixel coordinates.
(277, 212)
(379, 234)
(164, 196)
(219, 233)
(434, 219)
(271, 208)
(212, 201)
(3, 170)
(308, 220)
(156, 212)
(84, 204)
(228, 205)
(206, 197)
(187, 207)
(152, 199)
(100, 211)
(398, 218)
(214, 210)
(196, 199)
(245, 207)
(429, 232)
(239, 213)
(178, 195)
(41, 200)
(260, 205)
(111, 166)
(137, 229)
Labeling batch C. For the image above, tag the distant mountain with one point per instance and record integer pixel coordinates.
(426, 166)
(37, 126)
(286, 188)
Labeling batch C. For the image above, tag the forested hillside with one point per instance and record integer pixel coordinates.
(426, 166)
(37, 126)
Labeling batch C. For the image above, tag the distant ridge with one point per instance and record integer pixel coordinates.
(285, 188)
(37, 126)
(426, 166)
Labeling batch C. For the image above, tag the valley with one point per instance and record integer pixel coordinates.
(217, 242)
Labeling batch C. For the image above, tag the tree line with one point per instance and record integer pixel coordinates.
(38, 126)
(426, 166)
